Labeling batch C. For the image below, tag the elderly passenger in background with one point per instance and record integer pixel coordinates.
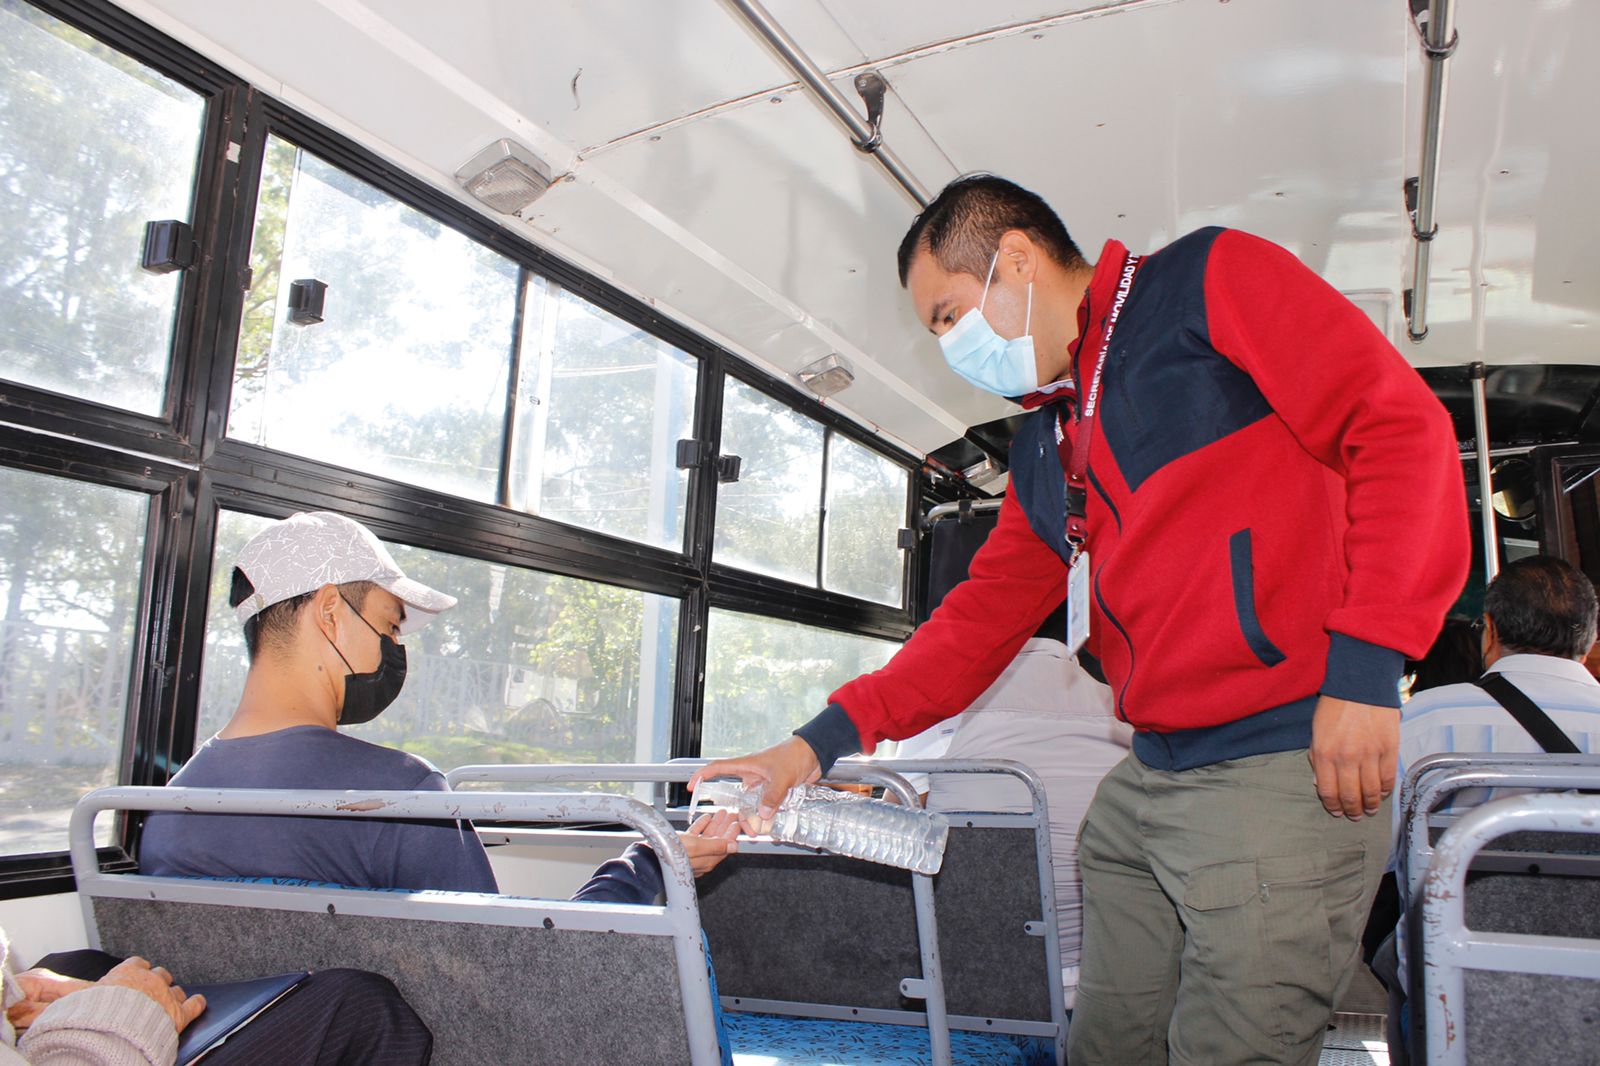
(1538, 624)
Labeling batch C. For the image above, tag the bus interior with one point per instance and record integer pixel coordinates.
(589, 309)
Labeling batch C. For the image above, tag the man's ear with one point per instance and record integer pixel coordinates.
(1491, 641)
(324, 610)
(1019, 256)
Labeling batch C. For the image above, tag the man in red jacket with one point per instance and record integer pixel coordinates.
(1260, 506)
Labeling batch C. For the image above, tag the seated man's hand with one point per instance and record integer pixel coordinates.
(778, 769)
(40, 988)
(156, 982)
(712, 838)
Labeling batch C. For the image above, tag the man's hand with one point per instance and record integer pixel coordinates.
(778, 768)
(156, 982)
(712, 838)
(40, 988)
(1354, 754)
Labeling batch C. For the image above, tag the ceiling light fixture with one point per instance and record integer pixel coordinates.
(827, 375)
(505, 176)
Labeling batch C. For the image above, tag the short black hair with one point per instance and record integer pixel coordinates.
(1454, 658)
(1542, 605)
(274, 626)
(963, 225)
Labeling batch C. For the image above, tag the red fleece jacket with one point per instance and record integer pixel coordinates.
(1337, 507)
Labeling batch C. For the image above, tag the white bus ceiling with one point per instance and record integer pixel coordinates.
(702, 177)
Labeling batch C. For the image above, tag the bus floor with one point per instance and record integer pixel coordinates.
(1356, 1036)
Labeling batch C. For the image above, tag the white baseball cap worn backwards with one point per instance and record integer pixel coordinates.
(311, 549)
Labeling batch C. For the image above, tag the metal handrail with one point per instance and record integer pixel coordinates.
(1438, 44)
(1437, 777)
(862, 135)
(682, 908)
(1449, 948)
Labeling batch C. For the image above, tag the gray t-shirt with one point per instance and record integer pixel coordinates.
(368, 853)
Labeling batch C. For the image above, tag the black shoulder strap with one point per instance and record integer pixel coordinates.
(1527, 714)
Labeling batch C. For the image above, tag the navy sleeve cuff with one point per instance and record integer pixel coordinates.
(635, 877)
(832, 735)
(1363, 672)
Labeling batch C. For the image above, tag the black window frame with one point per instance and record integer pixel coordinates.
(189, 465)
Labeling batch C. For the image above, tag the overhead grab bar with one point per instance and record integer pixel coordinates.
(1480, 419)
(866, 136)
(1439, 40)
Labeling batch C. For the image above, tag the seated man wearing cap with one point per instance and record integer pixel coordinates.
(322, 601)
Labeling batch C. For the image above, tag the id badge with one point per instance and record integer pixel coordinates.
(1078, 604)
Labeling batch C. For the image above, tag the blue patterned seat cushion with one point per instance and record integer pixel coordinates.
(770, 1040)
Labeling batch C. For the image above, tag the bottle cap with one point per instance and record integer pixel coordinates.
(723, 793)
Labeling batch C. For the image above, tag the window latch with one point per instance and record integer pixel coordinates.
(728, 468)
(692, 453)
(168, 246)
(306, 299)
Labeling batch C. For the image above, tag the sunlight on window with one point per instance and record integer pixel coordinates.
(601, 408)
(71, 557)
(764, 677)
(769, 520)
(92, 146)
(866, 510)
(408, 373)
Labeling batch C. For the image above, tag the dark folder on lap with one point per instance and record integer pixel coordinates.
(229, 1008)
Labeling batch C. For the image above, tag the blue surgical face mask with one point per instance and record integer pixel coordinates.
(976, 352)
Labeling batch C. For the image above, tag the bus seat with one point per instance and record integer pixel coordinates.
(1512, 887)
(772, 921)
(821, 939)
(1528, 993)
(497, 978)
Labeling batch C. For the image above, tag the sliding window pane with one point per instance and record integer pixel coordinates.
(768, 520)
(71, 555)
(92, 146)
(866, 510)
(765, 677)
(602, 407)
(528, 667)
(408, 372)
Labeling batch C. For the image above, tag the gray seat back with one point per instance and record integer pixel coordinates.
(497, 979)
(820, 936)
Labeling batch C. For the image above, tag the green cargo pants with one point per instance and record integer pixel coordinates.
(1223, 909)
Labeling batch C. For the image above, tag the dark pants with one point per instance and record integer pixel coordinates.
(335, 1018)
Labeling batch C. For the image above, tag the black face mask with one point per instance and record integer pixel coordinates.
(367, 695)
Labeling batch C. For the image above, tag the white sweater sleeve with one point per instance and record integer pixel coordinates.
(101, 1026)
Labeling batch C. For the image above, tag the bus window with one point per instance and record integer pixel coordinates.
(764, 677)
(93, 145)
(601, 408)
(865, 512)
(527, 667)
(71, 559)
(407, 372)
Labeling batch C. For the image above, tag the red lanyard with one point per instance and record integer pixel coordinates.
(1077, 526)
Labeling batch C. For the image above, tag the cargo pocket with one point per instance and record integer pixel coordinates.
(1224, 931)
(1313, 921)
(1270, 936)
(1241, 560)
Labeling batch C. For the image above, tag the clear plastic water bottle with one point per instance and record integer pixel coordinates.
(842, 822)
